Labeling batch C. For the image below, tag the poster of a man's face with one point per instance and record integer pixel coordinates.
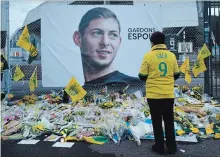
(100, 41)
(109, 43)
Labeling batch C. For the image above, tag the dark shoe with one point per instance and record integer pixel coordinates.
(157, 150)
(172, 151)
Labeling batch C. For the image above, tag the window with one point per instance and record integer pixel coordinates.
(87, 3)
(120, 2)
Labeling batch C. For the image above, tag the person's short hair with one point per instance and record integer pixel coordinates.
(96, 13)
(157, 38)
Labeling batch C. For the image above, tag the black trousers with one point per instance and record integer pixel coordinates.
(163, 109)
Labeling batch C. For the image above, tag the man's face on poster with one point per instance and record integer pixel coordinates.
(100, 42)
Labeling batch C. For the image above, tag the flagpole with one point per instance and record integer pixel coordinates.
(36, 76)
(8, 49)
(184, 37)
(5, 24)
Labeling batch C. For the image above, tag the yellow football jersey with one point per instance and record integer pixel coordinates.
(159, 65)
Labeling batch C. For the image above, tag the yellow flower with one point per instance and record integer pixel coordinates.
(38, 127)
(180, 132)
(195, 130)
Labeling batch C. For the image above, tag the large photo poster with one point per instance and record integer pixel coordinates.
(96, 44)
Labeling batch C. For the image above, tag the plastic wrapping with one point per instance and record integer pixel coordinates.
(191, 100)
(125, 117)
(204, 121)
(112, 127)
(13, 137)
(192, 117)
(206, 98)
(210, 108)
(140, 130)
(12, 130)
(177, 92)
(76, 131)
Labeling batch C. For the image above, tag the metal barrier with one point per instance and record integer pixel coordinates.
(212, 39)
(194, 34)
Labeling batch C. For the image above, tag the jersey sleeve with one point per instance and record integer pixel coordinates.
(144, 67)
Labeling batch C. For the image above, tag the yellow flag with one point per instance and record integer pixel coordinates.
(75, 90)
(4, 63)
(185, 68)
(33, 84)
(18, 74)
(25, 43)
(199, 67)
(23, 40)
(204, 52)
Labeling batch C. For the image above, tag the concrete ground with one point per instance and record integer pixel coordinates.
(204, 148)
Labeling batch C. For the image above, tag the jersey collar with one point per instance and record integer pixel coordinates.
(159, 46)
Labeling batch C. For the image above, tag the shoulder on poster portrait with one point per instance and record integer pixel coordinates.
(116, 78)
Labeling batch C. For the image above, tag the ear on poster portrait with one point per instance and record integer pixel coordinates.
(77, 38)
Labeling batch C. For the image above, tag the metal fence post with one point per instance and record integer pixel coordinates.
(7, 78)
(5, 26)
(206, 41)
